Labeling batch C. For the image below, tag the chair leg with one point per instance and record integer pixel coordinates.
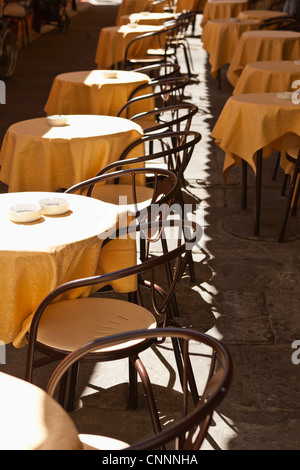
(258, 193)
(244, 184)
(290, 199)
(72, 387)
(284, 184)
(132, 402)
(62, 390)
(276, 166)
(149, 393)
(296, 198)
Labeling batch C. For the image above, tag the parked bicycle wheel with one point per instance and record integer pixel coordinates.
(8, 53)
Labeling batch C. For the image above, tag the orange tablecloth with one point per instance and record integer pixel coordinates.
(255, 121)
(255, 46)
(220, 37)
(222, 9)
(191, 5)
(37, 157)
(136, 6)
(90, 92)
(260, 14)
(37, 257)
(113, 41)
(32, 420)
(268, 76)
(146, 18)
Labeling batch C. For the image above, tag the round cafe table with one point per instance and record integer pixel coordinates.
(32, 420)
(136, 6)
(37, 257)
(250, 127)
(220, 37)
(91, 92)
(254, 46)
(268, 76)
(260, 14)
(113, 41)
(146, 17)
(214, 9)
(37, 157)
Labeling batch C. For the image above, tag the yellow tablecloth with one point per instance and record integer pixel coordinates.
(136, 6)
(37, 257)
(268, 76)
(37, 157)
(255, 46)
(90, 92)
(215, 9)
(113, 41)
(260, 14)
(190, 5)
(147, 18)
(220, 37)
(32, 420)
(255, 121)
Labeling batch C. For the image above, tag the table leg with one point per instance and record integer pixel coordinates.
(258, 192)
(219, 79)
(244, 184)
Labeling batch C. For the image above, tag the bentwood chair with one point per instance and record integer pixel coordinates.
(162, 53)
(62, 323)
(155, 94)
(166, 4)
(205, 370)
(171, 149)
(16, 12)
(163, 70)
(293, 196)
(287, 22)
(166, 119)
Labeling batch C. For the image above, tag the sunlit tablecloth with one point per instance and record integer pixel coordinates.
(268, 76)
(37, 157)
(39, 256)
(220, 36)
(113, 41)
(222, 9)
(136, 6)
(32, 420)
(90, 92)
(261, 45)
(147, 18)
(191, 5)
(260, 14)
(255, 121)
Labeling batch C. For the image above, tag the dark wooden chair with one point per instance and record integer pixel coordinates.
(293, 196)
(195, 408)
(61, 324)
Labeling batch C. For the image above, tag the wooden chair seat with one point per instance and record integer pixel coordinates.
(64, 327)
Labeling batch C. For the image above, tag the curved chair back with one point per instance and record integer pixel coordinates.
(163, 38)
(176, 117)
(162, 92)
(165, 183)
(197, 407)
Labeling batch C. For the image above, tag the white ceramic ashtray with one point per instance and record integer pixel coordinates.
(25, 213)
(57, 120)
(110, 74)
(54, 206)
(297, 62)
(285, 95)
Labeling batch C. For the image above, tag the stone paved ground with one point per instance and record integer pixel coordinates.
(247, 291)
